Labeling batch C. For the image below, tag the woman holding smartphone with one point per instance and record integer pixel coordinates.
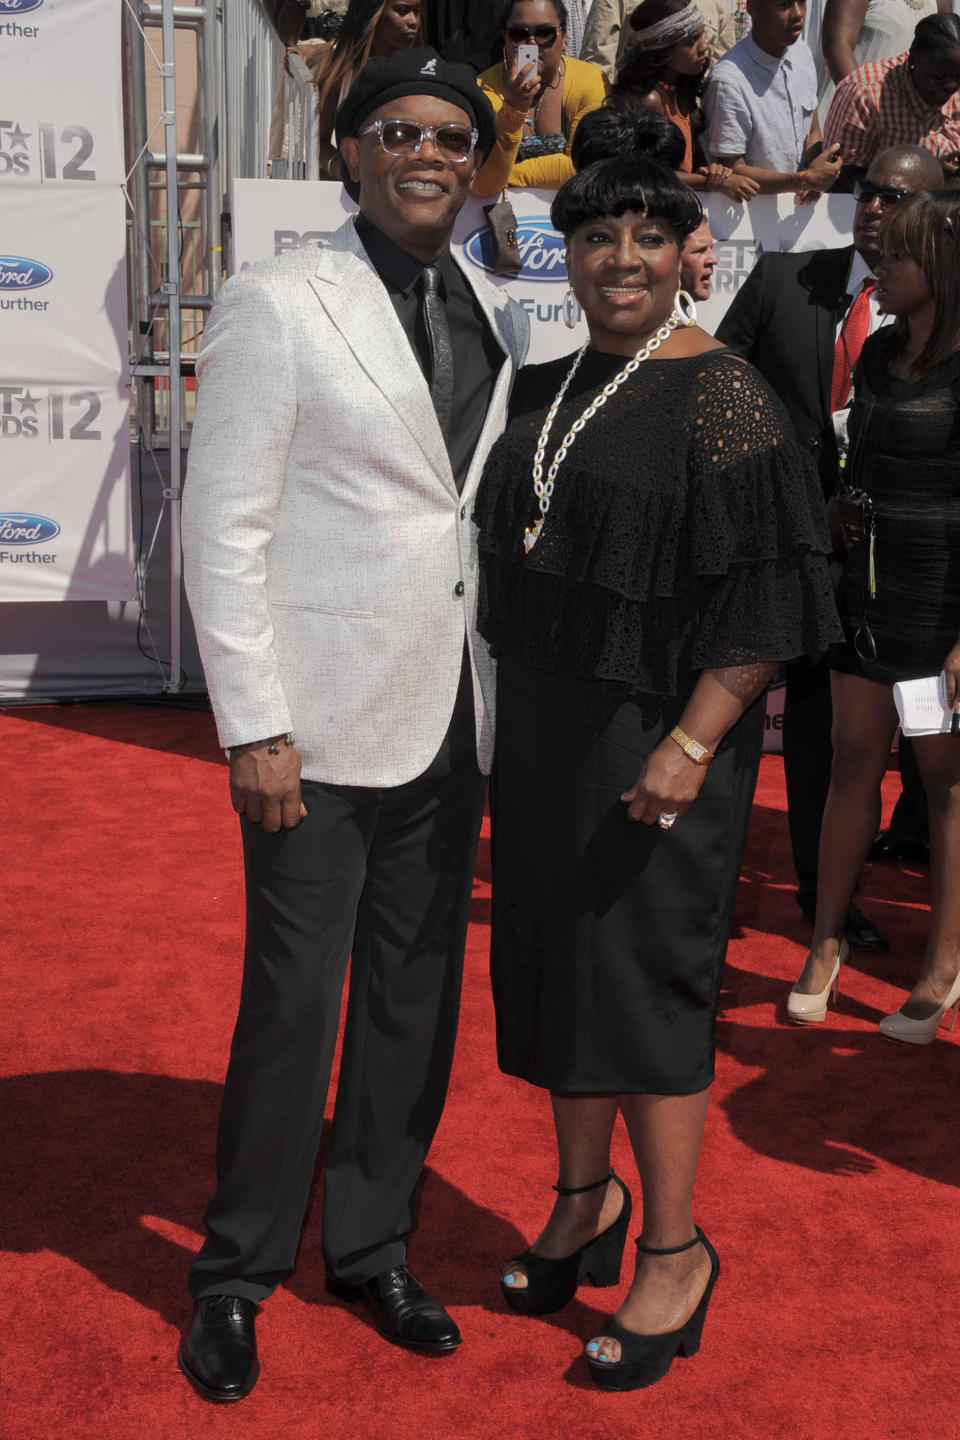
(900, 603)
(539, 95)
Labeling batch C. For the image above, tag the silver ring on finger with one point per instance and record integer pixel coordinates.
(667, 818)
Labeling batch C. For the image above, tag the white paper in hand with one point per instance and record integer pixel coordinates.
(922, 706)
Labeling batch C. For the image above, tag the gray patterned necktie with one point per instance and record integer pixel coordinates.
(441, 350)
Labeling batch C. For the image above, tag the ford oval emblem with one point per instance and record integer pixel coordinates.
(18, 273)
(18, 7)
(23, 529)
(542, 250)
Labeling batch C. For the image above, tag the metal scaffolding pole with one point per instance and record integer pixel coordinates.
(171, 289)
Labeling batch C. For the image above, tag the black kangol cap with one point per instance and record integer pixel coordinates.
(419, 71)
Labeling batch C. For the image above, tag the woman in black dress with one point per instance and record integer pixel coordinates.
(673, 555)
(905, 452)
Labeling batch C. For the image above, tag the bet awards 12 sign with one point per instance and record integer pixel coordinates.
(47, 152)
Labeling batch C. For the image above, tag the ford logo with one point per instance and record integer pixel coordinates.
(542, 250)
(19, 273)
(18, 7)
(17, 529)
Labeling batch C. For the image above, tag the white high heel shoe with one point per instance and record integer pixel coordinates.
(809, 1009)
(921, 1032)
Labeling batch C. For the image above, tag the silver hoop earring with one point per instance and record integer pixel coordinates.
(570, 309)
(684, 308)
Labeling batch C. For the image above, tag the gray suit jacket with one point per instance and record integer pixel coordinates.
(329, 561)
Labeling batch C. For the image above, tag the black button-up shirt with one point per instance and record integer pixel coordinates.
(477, 355)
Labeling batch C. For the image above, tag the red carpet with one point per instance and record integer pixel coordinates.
(828, 1181)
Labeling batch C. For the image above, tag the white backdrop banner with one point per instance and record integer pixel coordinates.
(270, 216)
(64, 397)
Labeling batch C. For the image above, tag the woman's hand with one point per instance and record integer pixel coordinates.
(951, 675)
(669, 781)
(520, 88)
(721, 180)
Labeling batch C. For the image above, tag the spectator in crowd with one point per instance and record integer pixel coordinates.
(370, 27)
(665, 71)
(900, 603)
(577, 12)
(793, 319)
(607, 36)
(349, 395)
(761, 104)
(854, 33)
(307, 27)
(698, 260)
(304, 20)
(910, 99)
(538, 109)
(465, 31)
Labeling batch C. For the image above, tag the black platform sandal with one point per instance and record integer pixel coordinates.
(551, 1284)
(645, 1359)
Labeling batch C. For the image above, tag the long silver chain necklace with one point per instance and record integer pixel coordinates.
(543, 489)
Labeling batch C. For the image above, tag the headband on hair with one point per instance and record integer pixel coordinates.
(671, 30)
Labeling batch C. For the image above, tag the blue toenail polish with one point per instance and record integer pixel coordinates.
(604, 1358)
(594, 1345)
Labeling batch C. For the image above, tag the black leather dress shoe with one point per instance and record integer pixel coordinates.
(219, 1355)
(888, 846)
(404, 1312)
(861, 933)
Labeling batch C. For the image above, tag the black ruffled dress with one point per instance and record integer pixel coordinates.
(685, 532)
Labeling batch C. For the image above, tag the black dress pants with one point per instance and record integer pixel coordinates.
(807, 758)
(387, 875)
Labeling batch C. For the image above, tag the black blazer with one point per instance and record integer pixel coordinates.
(783, 320)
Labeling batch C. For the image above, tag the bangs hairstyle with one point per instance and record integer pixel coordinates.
(926, 226)
(611, 187)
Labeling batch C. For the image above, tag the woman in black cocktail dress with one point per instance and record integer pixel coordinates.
(905, 452)
(679, 559)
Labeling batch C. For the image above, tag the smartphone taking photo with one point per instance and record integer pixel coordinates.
(527, 55)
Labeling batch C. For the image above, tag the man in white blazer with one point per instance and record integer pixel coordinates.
(348, 397)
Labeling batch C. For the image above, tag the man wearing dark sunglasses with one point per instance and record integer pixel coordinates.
(349, 395)
(801, 320)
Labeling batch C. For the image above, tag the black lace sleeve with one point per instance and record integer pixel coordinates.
(685, 532)
(757, 528)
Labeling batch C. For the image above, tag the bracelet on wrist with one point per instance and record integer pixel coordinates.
(693, 750)
(273, 744)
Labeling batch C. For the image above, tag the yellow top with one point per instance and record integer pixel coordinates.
(585, 88)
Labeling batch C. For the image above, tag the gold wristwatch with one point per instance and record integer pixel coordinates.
(693, 750)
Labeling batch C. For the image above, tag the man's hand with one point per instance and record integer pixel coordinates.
(265, 787)
(822, 173)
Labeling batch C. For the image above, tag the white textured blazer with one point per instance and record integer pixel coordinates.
(329, 562)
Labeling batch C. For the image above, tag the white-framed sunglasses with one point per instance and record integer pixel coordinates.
(405, 137)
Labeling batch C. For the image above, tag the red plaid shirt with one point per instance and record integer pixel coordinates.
(877, 106)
